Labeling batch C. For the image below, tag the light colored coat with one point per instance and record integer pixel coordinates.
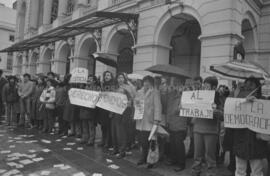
(152, 109)
(48, 97)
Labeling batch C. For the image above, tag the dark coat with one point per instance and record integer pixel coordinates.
(68, 114)
(37, 108)
(246, 145)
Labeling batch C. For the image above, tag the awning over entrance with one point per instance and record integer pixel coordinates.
(88, 23)
(107, 59)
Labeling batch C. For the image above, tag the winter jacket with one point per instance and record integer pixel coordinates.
(245, 143)
(152, 109)
(48, 97)
(210, 126)
(10, 94)
(174, 121)
(26, 89)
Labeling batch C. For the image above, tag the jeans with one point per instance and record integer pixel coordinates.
(11, 113)
(48, 121)
(177, 147)
(88, 131)
(144, 143)
(205, 146)
(25, 104)
(256, 167)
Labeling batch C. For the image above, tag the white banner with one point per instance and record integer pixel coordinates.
(114, 102)
(197, 104)
(79, 75)
(81, 97)
(238, 113)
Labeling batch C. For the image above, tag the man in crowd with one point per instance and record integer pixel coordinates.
(3, 81)
(25, 91)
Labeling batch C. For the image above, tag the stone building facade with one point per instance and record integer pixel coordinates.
(192, 34)
(7, 36)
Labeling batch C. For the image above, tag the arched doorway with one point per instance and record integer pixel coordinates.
(186, 47)
(121, 44)
(249, 39)
(44, 63)
(19, 64)
(63, 60)
(86, 50)
(33, 63)
(179, 37)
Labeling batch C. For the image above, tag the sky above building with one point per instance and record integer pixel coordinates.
(8, 3)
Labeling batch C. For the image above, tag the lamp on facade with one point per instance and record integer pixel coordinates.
(71, 43)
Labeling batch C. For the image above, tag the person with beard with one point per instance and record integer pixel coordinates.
(10, 100)
(104, 120)
(88, 115)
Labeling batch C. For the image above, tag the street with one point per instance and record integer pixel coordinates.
(27, 152)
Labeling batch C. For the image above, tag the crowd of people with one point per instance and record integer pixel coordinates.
(43, 102)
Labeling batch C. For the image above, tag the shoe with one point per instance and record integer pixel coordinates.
(179, 169)
(141, 162)
(120, 155)
(114, 152)
(150, 166)
(170, 162)
(90, 144)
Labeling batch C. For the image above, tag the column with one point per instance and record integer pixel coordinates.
(24, 63)
(34, 14)
(47, 12)
(62, 7)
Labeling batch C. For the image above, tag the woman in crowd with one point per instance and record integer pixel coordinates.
(248, 147)
(104, 120)
(151, 116)
(48, 99)
(37, 109)
(88, 115)
(120, 121)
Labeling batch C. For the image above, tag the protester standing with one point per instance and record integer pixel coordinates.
(104, 120)
(25, 91)
(10, 99)
(3, 81)
(48, 99)
(151, 115)
(248, 147)
(88, 115)
(206, 133)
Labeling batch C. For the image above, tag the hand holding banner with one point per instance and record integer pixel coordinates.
(197, 104)
(239, 113)
(114, 102)
(79, 75)
(81, 97)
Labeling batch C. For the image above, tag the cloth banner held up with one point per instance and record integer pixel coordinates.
(114, 102)
(81, 97)
(197, 104)
(79, 75)
(238, 113)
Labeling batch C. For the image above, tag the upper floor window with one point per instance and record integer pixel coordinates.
(70, 6)
(54, 12)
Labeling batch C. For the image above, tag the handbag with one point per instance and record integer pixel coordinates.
(153, 153)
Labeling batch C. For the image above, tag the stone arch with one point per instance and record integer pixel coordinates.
(249, 32)
(61, 60)
(86, 47)
(120, 43)
(185, 12)
(177, 37)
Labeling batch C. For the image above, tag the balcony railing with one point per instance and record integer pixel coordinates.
(117, 2)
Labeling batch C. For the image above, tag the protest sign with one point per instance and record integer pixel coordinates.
(139, 109)
(197, 104)
(81, 97)
(114, 102)
(79, 75)
(239, 113)
(266, 90)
